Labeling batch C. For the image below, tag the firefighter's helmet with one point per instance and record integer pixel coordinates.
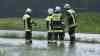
(28, 10)
(67, 6)
(58, 8)
(50, 11)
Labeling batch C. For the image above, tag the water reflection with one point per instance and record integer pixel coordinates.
(71, 51)
(71, 44)
(41, 48)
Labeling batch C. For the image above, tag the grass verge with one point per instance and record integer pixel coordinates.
(88, 22)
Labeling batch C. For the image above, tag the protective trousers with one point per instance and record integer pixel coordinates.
(59, 35)
(71, 32)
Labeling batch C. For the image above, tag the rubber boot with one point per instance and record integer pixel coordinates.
(72, 37)
(28, 42)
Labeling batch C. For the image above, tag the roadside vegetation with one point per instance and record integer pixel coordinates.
(88, 22)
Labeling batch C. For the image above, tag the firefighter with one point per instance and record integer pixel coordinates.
(57, 24)
(71, 20)
(48, 22)
(27, 18)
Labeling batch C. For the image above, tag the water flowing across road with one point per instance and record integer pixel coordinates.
(85, 37)
(16, 47)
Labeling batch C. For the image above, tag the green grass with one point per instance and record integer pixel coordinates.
(87, 22)
(17, 24)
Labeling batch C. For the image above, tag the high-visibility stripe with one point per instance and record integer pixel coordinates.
(49, 18)
(28, 30)
(56, 31)
(56, 17)
(73, 18)
(26, 25)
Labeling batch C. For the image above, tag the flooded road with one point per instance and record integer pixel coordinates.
(85, 37)
(16, 47)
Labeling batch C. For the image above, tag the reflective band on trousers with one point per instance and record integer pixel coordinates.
(56, 31)
(28, 30)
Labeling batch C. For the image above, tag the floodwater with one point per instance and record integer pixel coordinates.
(16, 47)
(79, 36)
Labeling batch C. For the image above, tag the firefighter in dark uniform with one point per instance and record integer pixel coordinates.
(48, 22)
(57, 24)
(27, 18)
(71, 20)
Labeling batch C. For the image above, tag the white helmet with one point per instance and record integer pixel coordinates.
(58, 8)
(50, 11)
(67, 6)
(28, 10)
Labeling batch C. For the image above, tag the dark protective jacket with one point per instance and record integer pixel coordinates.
(27, 22)
(57, 23)
(48, 22)
(71, 17)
